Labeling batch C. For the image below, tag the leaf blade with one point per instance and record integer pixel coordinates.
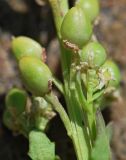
(40, 147)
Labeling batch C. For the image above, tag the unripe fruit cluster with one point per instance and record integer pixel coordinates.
(76, 29)
(35, 73)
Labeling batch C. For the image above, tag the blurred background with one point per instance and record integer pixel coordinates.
(34, 19)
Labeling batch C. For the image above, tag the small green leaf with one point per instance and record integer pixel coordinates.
(101, 150)
(16, 100)
(40, 147)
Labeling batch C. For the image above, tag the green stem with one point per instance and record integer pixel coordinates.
(58, 84)
(80, 92)
(85, 106)
(91, 110)
(91, 118)
(53, 100)
(97, 95)
(59, 9)
(80, 138)
(77, 116)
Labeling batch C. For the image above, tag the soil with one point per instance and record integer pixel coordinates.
(29, 18)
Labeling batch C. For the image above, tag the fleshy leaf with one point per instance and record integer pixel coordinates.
(16, 100)
(40, 147)
(101, 150)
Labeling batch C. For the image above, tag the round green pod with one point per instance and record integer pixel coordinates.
(36, 75)
(91, 8)
(76, 27)
(24, 46)
(16, 100)
(111, 70)
(94, 54)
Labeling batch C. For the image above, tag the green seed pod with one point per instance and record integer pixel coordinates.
(24, 46)
(91, 8)
(36, 75)
(16, 100)
(94, 54)
(76, 27)
(111, 71)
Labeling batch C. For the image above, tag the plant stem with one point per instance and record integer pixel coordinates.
(91, 118)
(53, 100)
(73, 106)
(91, 110)
(79, 134)
(59, 9)
(59, 85)
(81, 96)
(85, 106)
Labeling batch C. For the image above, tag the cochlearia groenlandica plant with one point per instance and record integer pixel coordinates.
(90, 81)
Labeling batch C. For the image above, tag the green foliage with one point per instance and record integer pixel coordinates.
(40, 147)
(16, 100)
(25, 46)
(15, 117)
(76, 28)
(36, 75)
(88, 80)
(101, 150)
(19, 119)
